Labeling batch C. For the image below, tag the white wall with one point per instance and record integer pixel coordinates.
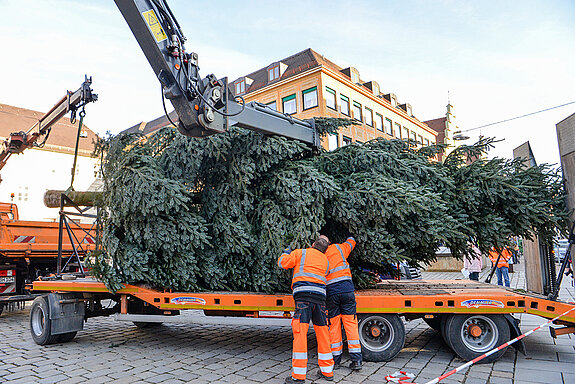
(35, 171)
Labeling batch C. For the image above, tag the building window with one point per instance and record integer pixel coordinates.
(369, 117)
(388, 126)
(419, 139)
(330, 98)
(289, 105)
(332, 142)
(405, 134)
(273, 105)
(344, 104)
(309, 98)
(274, 72)
(354, 77)
(346, 141)
(427, 142)
(240, 87)
(413, 136)
(379, 122)
(357, 111)
(397, 130)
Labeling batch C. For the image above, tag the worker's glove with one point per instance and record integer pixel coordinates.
(288, 250)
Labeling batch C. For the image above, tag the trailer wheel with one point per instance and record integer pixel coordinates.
(382, 336)
(146, 324)
(443, 326)
(40, 322)
(473, 335)
(66, 337)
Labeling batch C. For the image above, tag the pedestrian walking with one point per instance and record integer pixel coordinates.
(310, 267)
(473, 264)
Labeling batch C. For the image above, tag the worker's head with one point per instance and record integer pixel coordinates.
(321, 243)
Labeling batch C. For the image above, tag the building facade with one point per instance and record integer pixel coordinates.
(308, 85)
(34, 171)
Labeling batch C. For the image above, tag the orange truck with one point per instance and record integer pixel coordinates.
(29, 249)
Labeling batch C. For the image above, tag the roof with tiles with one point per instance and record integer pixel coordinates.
(298, 63)
(62, 138)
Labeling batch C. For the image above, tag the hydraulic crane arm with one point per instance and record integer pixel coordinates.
(204, 106)
(19, 141)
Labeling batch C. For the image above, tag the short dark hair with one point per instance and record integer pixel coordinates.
(320, 244)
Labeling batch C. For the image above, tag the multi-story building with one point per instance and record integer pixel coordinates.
(28, 175)
(308, 85)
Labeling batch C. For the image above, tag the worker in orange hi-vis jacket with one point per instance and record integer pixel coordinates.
(341, 306)
(502, 267)
(310, 267)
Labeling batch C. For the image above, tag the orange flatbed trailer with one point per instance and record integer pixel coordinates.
(472, 316)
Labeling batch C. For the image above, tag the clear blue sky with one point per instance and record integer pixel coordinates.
(497, 59)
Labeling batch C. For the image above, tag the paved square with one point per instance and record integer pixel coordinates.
(236, 351)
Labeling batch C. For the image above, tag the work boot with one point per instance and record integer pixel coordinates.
(290, 379)
(322, 376)
(355, 365)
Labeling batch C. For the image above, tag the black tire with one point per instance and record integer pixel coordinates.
(493, 331)
(40, 322)
(382, 336)
(66, 337)
(443, 325)
(1, 308)
(435, 322)
(145, 324)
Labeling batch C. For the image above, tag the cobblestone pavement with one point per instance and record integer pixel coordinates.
(236, 351)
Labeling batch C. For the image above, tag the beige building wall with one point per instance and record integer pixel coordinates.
(321, 78)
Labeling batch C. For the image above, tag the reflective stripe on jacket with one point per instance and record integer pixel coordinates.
(310, 267)
(503, 260)
(337, 255)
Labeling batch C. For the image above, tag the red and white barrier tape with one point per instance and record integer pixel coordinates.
(400, 377)
(461, 367)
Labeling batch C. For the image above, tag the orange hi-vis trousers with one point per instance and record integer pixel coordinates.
(341, 309)
(317, 313)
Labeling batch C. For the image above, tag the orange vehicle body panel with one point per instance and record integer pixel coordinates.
(411, 297)
(21, 238)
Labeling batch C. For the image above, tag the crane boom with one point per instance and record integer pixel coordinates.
(19, 141)
(204, 106)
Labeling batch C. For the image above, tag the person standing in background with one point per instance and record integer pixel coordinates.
(474, 264)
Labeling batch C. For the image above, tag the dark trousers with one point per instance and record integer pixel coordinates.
(304, 313)
(341, 308)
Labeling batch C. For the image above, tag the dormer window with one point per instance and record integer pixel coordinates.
(354, 77)
(274, 72)
(240, 87)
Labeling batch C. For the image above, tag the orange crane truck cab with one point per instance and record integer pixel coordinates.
(28, 249)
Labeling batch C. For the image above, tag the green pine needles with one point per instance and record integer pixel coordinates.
(215, 213)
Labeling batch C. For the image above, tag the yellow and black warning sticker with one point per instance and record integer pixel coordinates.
(154, 25)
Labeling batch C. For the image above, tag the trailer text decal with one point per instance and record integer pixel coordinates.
(476, 303)
(188, 301)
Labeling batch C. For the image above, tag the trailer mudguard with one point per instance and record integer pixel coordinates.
(67, 312)
(515, 332)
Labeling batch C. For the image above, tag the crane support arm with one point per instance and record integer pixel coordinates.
(204, 106)
(19, 141)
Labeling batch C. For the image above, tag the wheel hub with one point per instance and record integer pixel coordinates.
(474, 330)
(375, 330)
